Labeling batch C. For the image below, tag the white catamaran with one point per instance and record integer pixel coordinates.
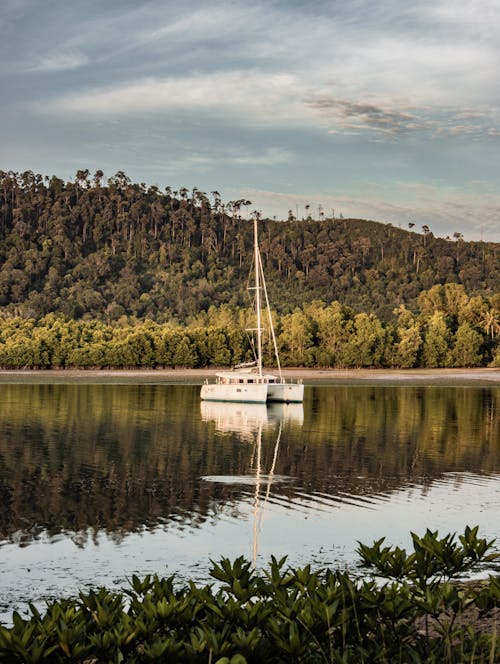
(248, 382)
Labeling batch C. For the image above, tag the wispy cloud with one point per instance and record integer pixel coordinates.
(356, 115)
(213, 22)
(256, 98)
(348, 69)
(268, 157)
(191, 160)
(346, 116)
(250, 95)
(58, 61)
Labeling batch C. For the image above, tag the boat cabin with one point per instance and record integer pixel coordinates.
(233, 378)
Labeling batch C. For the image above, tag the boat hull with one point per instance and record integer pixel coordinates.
(286, 392)
(251, 393)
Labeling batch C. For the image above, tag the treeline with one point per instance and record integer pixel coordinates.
(97, 249)
(451, 329)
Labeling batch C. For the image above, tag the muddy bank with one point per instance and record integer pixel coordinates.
(309, 376)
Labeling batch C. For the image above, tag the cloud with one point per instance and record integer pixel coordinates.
(389, 73)
(256, 98)
(472, 16)
(347, 114)
(215, 21)
(250, 95)
(392, 69)
(59, 61)
(190, 160)
(269, 157)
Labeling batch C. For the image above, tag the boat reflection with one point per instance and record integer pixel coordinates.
(248, 421)
(244, 419)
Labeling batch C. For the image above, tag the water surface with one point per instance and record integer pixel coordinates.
(98, 482)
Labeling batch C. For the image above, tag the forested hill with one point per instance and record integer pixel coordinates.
(105, 250)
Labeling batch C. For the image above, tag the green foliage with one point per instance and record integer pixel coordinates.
(434, 560)
(316, 335)
(437, 340)
(282, 615)
(365, 346)
(102, 250)
(467, 347)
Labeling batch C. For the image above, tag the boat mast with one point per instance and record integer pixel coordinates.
(257, 292)
(270, 317)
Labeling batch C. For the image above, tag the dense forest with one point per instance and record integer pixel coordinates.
(96, 273)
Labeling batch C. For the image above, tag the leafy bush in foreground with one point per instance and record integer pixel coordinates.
(283, 614)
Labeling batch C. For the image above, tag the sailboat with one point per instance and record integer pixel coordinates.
(248, 382)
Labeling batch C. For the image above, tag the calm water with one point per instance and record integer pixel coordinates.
(99, 482)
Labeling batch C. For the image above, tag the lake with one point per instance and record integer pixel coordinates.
(102, 481)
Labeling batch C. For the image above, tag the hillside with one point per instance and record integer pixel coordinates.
(105, 251)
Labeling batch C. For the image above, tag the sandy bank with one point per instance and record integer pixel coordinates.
(309, 376)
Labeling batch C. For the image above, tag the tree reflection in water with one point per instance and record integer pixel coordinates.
(122, 458)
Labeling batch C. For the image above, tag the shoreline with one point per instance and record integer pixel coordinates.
(481, 376)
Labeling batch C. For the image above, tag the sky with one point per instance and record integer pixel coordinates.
(377, 109)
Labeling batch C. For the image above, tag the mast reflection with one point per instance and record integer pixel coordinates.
(248, 421)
